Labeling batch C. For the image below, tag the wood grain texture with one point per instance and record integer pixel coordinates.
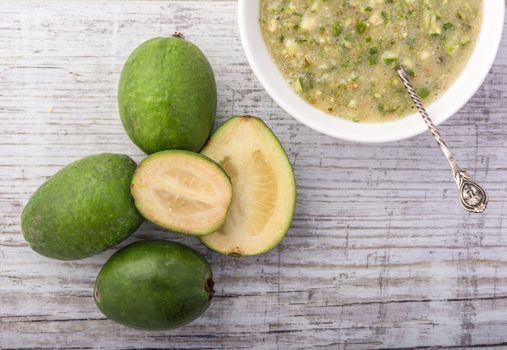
(380, 254)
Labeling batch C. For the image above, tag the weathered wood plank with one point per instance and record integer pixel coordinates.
(380, 255)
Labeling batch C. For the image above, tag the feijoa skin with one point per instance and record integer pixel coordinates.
(167, 95)
(83, 209)
(154, 285)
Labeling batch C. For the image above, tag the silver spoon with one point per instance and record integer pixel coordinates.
(472, 196)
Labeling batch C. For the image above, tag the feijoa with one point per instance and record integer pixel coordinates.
(83, 209)
(182, 191)
(154, 285)
(167, 95)
(264, 187)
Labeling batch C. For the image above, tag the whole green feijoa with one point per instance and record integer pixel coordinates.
(83, 209)
(167, 96)
(154, 285)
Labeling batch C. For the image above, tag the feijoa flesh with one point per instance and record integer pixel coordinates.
(182, 191)
(264, 187)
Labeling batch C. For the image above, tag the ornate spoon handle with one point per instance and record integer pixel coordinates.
(472, 196)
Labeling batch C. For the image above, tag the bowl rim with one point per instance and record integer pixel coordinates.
(449, 103)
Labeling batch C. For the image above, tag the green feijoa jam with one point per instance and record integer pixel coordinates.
(340, 55)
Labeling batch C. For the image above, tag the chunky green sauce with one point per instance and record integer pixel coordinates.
(340, 55)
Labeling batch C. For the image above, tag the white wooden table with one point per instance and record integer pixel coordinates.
(380, 254)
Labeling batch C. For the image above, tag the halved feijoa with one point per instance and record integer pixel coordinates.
(182, 191)
(264, 187)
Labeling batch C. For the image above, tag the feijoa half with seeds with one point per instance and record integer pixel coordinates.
(264, 187)
(182, 191)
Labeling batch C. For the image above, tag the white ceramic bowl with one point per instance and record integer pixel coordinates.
(448, 104)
